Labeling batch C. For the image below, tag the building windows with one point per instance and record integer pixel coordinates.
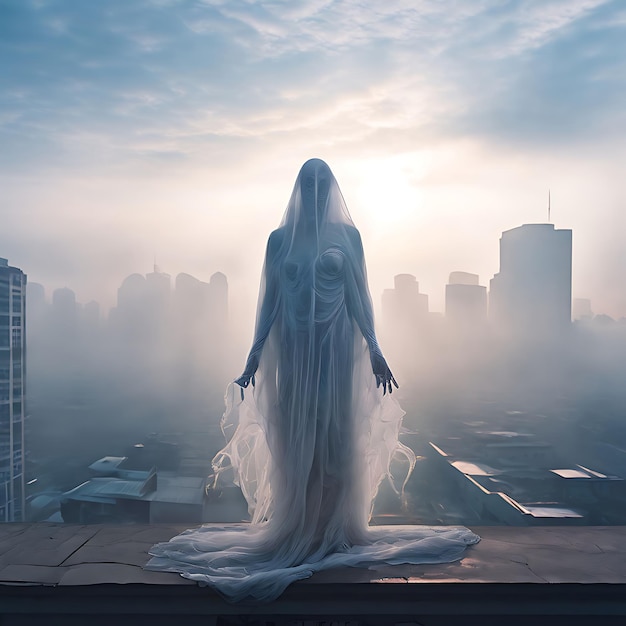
(12, 309)
(4, 291)
(16, 337)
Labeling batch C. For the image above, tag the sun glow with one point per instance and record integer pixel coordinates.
(387, 190)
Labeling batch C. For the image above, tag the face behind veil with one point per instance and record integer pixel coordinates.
(316, 203)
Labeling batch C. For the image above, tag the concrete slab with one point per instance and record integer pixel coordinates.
(114, 554)
(542, 573)
(31, 574)
(43, 544)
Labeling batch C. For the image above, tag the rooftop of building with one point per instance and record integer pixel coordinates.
(95, 574)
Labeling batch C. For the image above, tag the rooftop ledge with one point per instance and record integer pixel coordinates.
(552, 575)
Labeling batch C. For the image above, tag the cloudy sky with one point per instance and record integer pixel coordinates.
(174, 129)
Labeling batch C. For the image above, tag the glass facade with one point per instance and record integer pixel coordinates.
(12, 401)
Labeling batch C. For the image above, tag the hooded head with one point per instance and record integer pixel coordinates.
(316, 199)
(315, 180)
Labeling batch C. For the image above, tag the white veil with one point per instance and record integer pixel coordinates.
(311, 442)
(315, 236)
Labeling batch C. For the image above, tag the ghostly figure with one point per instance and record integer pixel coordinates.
(314, 435)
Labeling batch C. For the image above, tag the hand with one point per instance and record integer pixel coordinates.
(248, 375)
(382, 372)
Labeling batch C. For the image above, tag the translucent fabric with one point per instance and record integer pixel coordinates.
(310, 443)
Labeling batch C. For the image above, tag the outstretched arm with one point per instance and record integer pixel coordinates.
(267, 312)
(360, 307)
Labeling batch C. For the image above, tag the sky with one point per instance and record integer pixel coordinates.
(174, 130)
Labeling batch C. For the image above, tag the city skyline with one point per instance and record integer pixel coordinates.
(458, 280)
(176, 129)
(519, 395)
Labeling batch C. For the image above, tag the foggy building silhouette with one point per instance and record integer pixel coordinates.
(158, 291)
(218, 299)
(466, 300)
(171, 339)
(199, 328)
(406, 327)
(404, 307)
(203, 306)
(142, 308)
(64, 315)
(127, 317)
(64, 306)
(157, 306)
(191, 327)
(36, 296)
(532, 292)
(12, 391)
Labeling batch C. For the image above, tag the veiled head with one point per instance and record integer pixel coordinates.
(315, 179)
(316, 201)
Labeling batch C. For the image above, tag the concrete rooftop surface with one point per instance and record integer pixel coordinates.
(70, 574)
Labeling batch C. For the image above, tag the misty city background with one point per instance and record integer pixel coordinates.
(514, 410)
(147, 150)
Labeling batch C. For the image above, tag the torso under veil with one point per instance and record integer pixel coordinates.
(310, 444)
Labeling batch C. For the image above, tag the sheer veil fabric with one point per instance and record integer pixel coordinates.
(311, 442)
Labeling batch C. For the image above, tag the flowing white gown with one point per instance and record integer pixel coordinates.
(311, 442)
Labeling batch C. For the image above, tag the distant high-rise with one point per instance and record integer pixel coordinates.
(466, 300)
(218, 289)
(532, 293)
(158, 290)
(12, 391)
(143, 306)
(404, 307)
(64, 315)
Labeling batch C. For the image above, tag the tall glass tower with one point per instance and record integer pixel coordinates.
(12, 392)
(532, 293)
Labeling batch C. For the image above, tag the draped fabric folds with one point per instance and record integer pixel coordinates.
(311, 442)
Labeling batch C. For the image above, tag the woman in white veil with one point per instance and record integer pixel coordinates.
(311, 443)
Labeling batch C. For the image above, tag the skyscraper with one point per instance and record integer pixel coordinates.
(466, 300)
(404, 307)
(532, 293)
(12, 391)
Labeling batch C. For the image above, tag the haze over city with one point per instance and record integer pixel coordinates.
(175, 130)
(149, 148)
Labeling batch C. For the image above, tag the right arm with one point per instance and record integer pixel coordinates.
(268, 309)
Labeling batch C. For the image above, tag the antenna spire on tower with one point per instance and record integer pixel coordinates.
(548, 206)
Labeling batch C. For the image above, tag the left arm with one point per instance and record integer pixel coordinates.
(360, 308)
